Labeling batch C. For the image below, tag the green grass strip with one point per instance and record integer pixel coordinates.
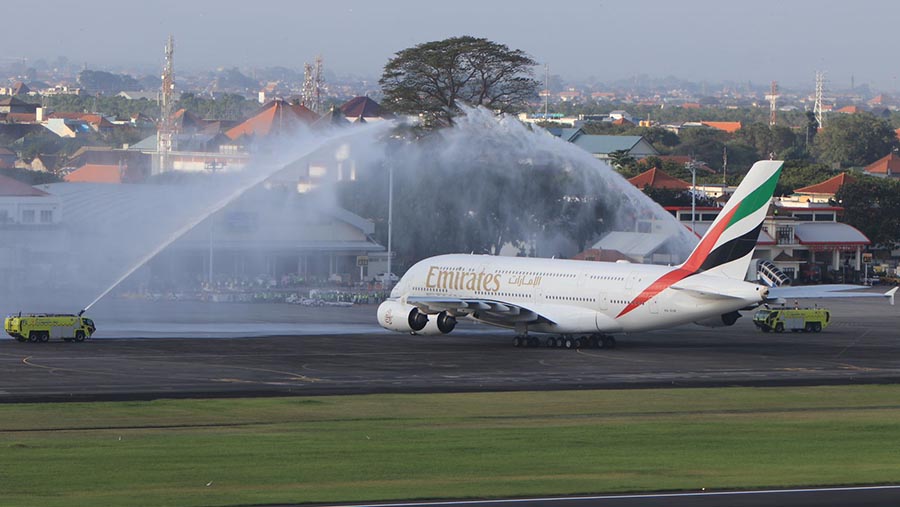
(379, 447)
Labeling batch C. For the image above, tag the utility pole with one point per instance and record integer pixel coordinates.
(692, 166)
(166, 131)
(387, 282)
(546, 91)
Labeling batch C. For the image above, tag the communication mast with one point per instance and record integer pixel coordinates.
(166, 132)
(313, 85)
(773, 98)
(820, 90)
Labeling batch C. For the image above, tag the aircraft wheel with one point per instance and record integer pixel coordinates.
(568, 343)
(533, 341)
(551, 342)
(608, 342)
(595, 342)
(517, 341)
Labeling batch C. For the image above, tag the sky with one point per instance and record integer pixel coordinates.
(696, 40)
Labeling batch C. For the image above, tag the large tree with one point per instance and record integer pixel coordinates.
(873, 206)
(854, 140)
(434, 77)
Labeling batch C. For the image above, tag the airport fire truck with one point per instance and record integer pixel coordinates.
(810, 320)
(42, 327)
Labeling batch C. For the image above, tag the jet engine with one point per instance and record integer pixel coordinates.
(405, 318)
(726, 319)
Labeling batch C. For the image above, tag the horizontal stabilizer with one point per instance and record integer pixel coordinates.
(826, 291)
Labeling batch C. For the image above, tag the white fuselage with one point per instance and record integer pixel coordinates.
(580, 296)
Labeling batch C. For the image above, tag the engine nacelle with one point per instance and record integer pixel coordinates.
(397, 316)
(726, 319)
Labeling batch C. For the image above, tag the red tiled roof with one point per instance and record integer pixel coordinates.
(656, 178)
(13, 187)
(363, 106)
(94, 119)
(690, 105)
(897, 133)
(887, 165)
(21, 117)
(96, 173)
(275, 117)
(829, 186)
(848, 110)
(728, 126)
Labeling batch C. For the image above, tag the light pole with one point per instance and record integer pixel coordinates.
(691, 167)
(387, 276)
(210, 252)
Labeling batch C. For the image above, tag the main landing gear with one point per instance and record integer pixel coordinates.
(594, 341)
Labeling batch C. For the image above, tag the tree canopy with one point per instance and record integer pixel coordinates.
(434, 77)
(854, 140)
(873, 206)
(106, 82)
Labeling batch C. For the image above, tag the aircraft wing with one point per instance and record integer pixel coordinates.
(486, 309)
(826, 291)
(704, 292)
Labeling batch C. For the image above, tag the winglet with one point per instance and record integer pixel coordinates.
(891, 293)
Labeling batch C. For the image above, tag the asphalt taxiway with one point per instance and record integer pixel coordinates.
(209, 350)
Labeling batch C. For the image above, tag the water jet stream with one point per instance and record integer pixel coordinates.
(267, 172)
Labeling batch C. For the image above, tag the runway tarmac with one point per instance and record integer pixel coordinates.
(175, 349)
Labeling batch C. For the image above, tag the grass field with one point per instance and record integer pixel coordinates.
(349, 448)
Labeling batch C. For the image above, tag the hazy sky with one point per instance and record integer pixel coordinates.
(715, 40)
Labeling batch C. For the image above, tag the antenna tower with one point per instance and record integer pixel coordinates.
(820, 90)
(166, 132)
(313, 85)
(773, 98)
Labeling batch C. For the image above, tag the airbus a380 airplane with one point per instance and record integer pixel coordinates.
(585, 301)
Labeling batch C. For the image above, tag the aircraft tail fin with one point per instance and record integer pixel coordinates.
(727, 247)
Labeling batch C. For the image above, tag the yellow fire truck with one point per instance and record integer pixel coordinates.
(41, 327)
(810, 320)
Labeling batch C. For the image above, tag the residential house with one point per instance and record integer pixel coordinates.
(138, 95)
(726, 126)
(16, 105)
(824, 192)
(364, 108)
(7, 158)
(887, 166)
(273, 119)
(657, 178)
(602, 146)
(26, 214)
